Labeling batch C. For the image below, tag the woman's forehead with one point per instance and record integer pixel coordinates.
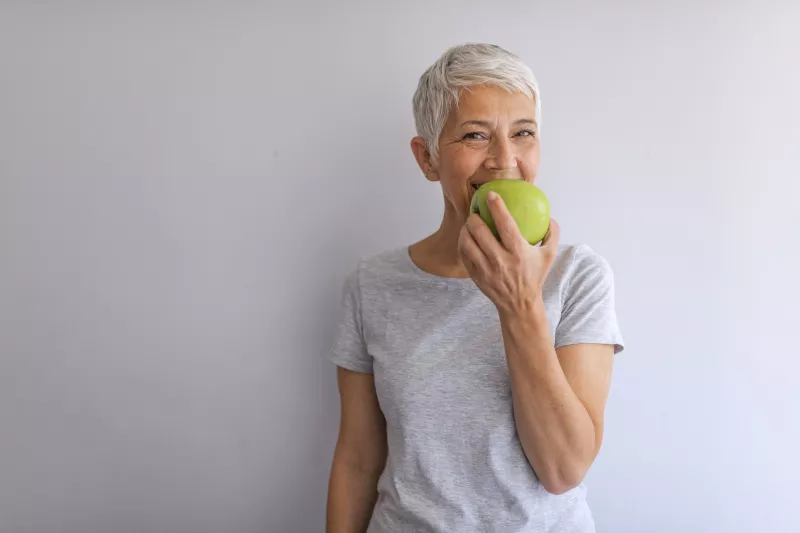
(489, 102)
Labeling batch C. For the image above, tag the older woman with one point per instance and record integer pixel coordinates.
(473, 370)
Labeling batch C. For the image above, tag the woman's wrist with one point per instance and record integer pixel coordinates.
(526, 309)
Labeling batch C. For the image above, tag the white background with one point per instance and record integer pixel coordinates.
(183, 188)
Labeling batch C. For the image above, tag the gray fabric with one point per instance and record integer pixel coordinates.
(434, 345)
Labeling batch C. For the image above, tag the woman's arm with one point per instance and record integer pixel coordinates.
(559, 397)
(359, 457)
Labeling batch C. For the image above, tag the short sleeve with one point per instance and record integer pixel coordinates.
(588, 313)
(349, 348)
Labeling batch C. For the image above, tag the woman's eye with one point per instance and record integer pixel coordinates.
(474, 136)
(527, 133)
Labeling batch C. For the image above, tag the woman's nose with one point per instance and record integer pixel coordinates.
(500, 155)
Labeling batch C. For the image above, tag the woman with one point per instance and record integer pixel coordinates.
(473, 370)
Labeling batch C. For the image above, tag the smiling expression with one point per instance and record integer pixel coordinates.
(491, 134)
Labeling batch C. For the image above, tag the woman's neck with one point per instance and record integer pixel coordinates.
(438, 254)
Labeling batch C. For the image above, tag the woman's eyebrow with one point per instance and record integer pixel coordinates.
(481, 123)
(485, 124)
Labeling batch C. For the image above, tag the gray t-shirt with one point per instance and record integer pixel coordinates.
(434, 345)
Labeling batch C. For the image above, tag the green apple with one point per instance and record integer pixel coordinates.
(526, 202)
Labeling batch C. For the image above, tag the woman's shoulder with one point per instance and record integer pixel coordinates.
(581, 255)
(381, 266)
(385, 261)
(581, 262)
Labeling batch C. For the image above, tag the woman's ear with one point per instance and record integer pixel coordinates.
(423, 157)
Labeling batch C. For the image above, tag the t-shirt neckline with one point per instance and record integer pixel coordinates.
(405, 252)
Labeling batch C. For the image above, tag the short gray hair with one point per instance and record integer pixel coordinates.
(458, 68)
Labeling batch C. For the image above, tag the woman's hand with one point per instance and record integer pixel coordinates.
(511, 272)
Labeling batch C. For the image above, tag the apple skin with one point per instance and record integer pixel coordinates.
(527, 204)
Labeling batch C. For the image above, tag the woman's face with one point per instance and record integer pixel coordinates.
(491, 134)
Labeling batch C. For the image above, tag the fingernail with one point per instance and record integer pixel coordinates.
(492, 196)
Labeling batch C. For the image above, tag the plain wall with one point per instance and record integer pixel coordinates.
(184, 186)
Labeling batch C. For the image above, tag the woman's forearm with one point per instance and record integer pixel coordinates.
(352, 493)
(555, 429)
